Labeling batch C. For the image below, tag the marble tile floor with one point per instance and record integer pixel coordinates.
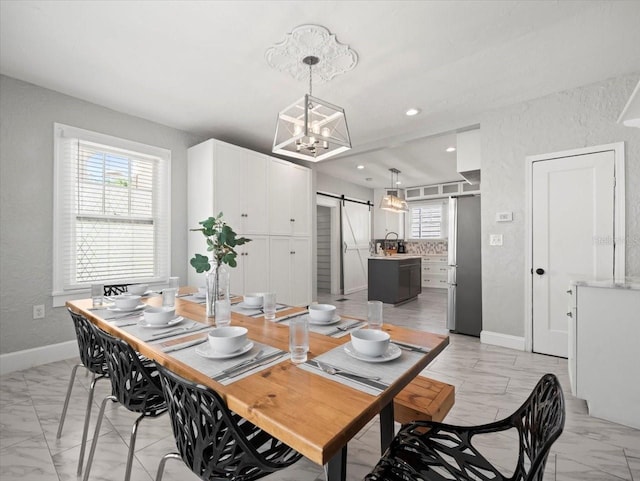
(490, 383)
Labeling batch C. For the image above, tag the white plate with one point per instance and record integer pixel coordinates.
(198, 295)
(172, 322)
(205, 350)
(335, 319)
(393, 352)
(131, 309)
(242, 305)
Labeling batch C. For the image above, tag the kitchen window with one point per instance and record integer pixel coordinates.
(427, 220)
(111, 212)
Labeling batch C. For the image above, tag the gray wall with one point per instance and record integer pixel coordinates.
(27, 115)
(577, 118)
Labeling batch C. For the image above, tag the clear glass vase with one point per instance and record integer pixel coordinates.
(218, 299)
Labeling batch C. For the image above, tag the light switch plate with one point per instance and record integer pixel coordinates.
(495, 239)
(504, 216)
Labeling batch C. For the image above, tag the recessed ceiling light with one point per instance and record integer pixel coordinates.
(412, 111)
(398, 182)
(451, 149)
(360, 167)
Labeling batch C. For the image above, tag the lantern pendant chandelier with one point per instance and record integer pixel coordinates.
(310, 128)
(391, 202)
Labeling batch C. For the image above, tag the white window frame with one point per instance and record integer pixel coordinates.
(444, 202)
(62, 290)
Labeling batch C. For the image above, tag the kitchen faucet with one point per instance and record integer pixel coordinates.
(386, 242)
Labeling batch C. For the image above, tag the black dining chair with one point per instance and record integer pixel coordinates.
(214, 442)
(135, 384)
(431, 451)
(116, 289)
(93, 360)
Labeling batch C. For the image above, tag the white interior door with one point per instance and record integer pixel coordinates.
(356, 234)
(572, 238)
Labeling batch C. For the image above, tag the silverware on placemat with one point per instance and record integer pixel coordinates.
(411, 347)
(179, 347)
(346, 328)
(335, 371)
(247, 365)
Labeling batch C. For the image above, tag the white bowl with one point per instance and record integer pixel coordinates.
(228, 339)
(137, 289)
(126, 301)
(253, 299)
(322, 312)
(370, 342)
(158, 315)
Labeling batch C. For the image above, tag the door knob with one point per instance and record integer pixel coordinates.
(539, 271)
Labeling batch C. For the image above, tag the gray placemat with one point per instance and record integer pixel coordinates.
(147, 334)
(388, 372)
(193, 298)
(213, 367)
(257, 312)
(349, 325)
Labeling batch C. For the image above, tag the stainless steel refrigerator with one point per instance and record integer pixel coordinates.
(464, 307)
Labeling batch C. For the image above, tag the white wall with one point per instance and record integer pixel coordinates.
(27, 115)
(333, 185)
(572, 119)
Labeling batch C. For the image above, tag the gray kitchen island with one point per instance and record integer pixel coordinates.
(395, 279)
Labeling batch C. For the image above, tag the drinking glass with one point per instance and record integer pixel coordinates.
(223, 311)
(269, 305)
(169, 297)
(174, 283)
(298, 339)
(97, 294)
(374, 315)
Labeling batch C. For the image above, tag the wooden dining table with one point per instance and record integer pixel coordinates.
(312, 414)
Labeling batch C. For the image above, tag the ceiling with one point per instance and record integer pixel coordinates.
(200, 66)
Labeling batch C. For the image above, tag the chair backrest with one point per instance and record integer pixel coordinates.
(214, 442)
(539, 421)
(89, 346)
(135, 381)
(115, 289)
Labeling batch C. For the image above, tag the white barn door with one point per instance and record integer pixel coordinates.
(356, 234)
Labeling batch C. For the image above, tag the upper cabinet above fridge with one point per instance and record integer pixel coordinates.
(468, 156)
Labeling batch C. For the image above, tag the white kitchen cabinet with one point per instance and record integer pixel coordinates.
(289, 199)
(604, 331)
(434, 271)
(385, 221)
(290, 269)
(252, 271)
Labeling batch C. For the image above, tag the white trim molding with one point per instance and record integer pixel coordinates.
(19, 360)
(503, 340)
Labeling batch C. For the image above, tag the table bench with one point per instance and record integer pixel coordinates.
(423, 399)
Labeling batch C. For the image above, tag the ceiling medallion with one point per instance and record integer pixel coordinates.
(314, 41)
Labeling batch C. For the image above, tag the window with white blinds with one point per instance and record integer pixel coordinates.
(427, 221)
(112, 210)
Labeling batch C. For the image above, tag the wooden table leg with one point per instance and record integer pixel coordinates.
(337, 466)
(387, 429)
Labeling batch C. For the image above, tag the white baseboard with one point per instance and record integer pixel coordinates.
(19, 360)
(503, 340)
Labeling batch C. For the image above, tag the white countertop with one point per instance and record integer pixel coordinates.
(395, 257)
(632, 283)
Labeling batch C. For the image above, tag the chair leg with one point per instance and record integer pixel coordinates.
(163, 461)
(94, 442)
(87, 417)
(132, 446)
(66, 399)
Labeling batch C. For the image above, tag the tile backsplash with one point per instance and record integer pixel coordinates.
(426, 247)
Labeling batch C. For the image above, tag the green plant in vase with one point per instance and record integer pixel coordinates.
(221, 243)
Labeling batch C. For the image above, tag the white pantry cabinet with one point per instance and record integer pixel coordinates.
(252, 271)
(289, 199)
(290, 271)
(232, 180)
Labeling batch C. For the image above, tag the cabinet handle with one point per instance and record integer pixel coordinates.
(292, 220)
(569, 291)
(569, 314)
